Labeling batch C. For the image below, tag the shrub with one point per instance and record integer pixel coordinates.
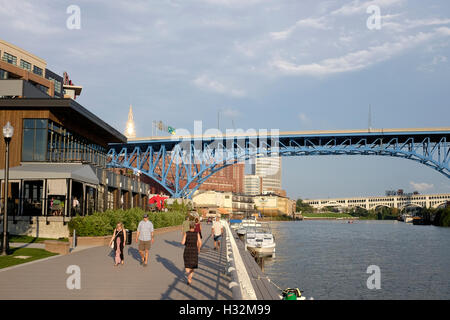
(103, 223)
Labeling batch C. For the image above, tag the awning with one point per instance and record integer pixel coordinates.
(223, 211)
(80, 172)
(57, 187)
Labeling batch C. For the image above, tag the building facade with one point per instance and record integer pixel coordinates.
(269, 169)
(243, 204)
(57, 155)
(274, 205)
(229, 179)
(252, 184)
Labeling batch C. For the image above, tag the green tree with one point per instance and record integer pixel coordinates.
(303, 207)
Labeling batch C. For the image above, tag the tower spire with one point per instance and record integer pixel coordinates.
(130, 131)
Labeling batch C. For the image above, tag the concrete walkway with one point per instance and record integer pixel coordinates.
(163, 278)
(27, 245)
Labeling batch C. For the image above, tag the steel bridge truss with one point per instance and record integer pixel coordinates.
(182, 166)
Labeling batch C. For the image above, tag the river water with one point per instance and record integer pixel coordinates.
(329, 259)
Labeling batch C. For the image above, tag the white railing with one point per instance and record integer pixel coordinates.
(236, 267)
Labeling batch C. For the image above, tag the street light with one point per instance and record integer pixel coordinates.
(8, 132)
(263, 200)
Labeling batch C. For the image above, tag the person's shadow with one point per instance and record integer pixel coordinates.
(169, 265)
(134, 253)
(174, 243)
(112, 254)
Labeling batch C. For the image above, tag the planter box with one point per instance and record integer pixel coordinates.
(60, 247)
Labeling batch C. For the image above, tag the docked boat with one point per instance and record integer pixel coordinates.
(245, 225)
(407, 218)
(235, 224)
(420, 221)
(260, 240)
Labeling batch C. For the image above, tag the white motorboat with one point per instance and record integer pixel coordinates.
(260, 240)
(250, 223)
(245, 225)
(235, 224)
(407, 218)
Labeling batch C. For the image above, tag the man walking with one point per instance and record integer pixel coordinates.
(145, 237)
(217, 230)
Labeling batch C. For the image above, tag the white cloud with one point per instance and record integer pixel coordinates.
(206, 83)
(29, 17)
(357, 6)
(421, 186)
(411, 24)
(357, 60)
(233, 3)
(431, 66)
(314, 23)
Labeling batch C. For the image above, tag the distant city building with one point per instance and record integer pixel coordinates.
(400, 192)
(234, 203)
(229, 179)
(214, 202)
(274, 205)
(269, 169)
(130, 131)
(252, 184)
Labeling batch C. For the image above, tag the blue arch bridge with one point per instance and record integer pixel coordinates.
(180, 164)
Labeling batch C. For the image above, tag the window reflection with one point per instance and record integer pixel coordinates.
(44, 140)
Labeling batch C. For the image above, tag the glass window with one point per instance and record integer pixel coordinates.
(34, 146)
(28, 144)
(33, 198)
(37, 70)
(57, 84)
(40, 148)
(28, 123)
(41, 123)
(25, 65)
(9, 58)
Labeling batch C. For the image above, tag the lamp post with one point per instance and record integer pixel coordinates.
(8, 131)
(263, 200)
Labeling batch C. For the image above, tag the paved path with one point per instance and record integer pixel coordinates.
(163, 278)
(27, 245)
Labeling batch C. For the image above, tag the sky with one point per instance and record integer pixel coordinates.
(258, 64)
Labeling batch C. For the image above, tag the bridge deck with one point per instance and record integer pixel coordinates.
(250, 133)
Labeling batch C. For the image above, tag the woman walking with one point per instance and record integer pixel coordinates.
(193, 243)
(119, 238)
(198, 228)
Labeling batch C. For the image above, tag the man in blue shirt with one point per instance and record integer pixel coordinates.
(145, 237)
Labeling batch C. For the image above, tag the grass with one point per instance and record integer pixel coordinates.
(28, 239)
(326, 215)
(34, 254)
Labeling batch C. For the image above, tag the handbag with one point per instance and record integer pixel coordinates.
(112, 243)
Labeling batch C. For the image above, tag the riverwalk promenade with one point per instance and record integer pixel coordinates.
(163, 278)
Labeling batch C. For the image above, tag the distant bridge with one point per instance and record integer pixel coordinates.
(372, 203)
(180, 164)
